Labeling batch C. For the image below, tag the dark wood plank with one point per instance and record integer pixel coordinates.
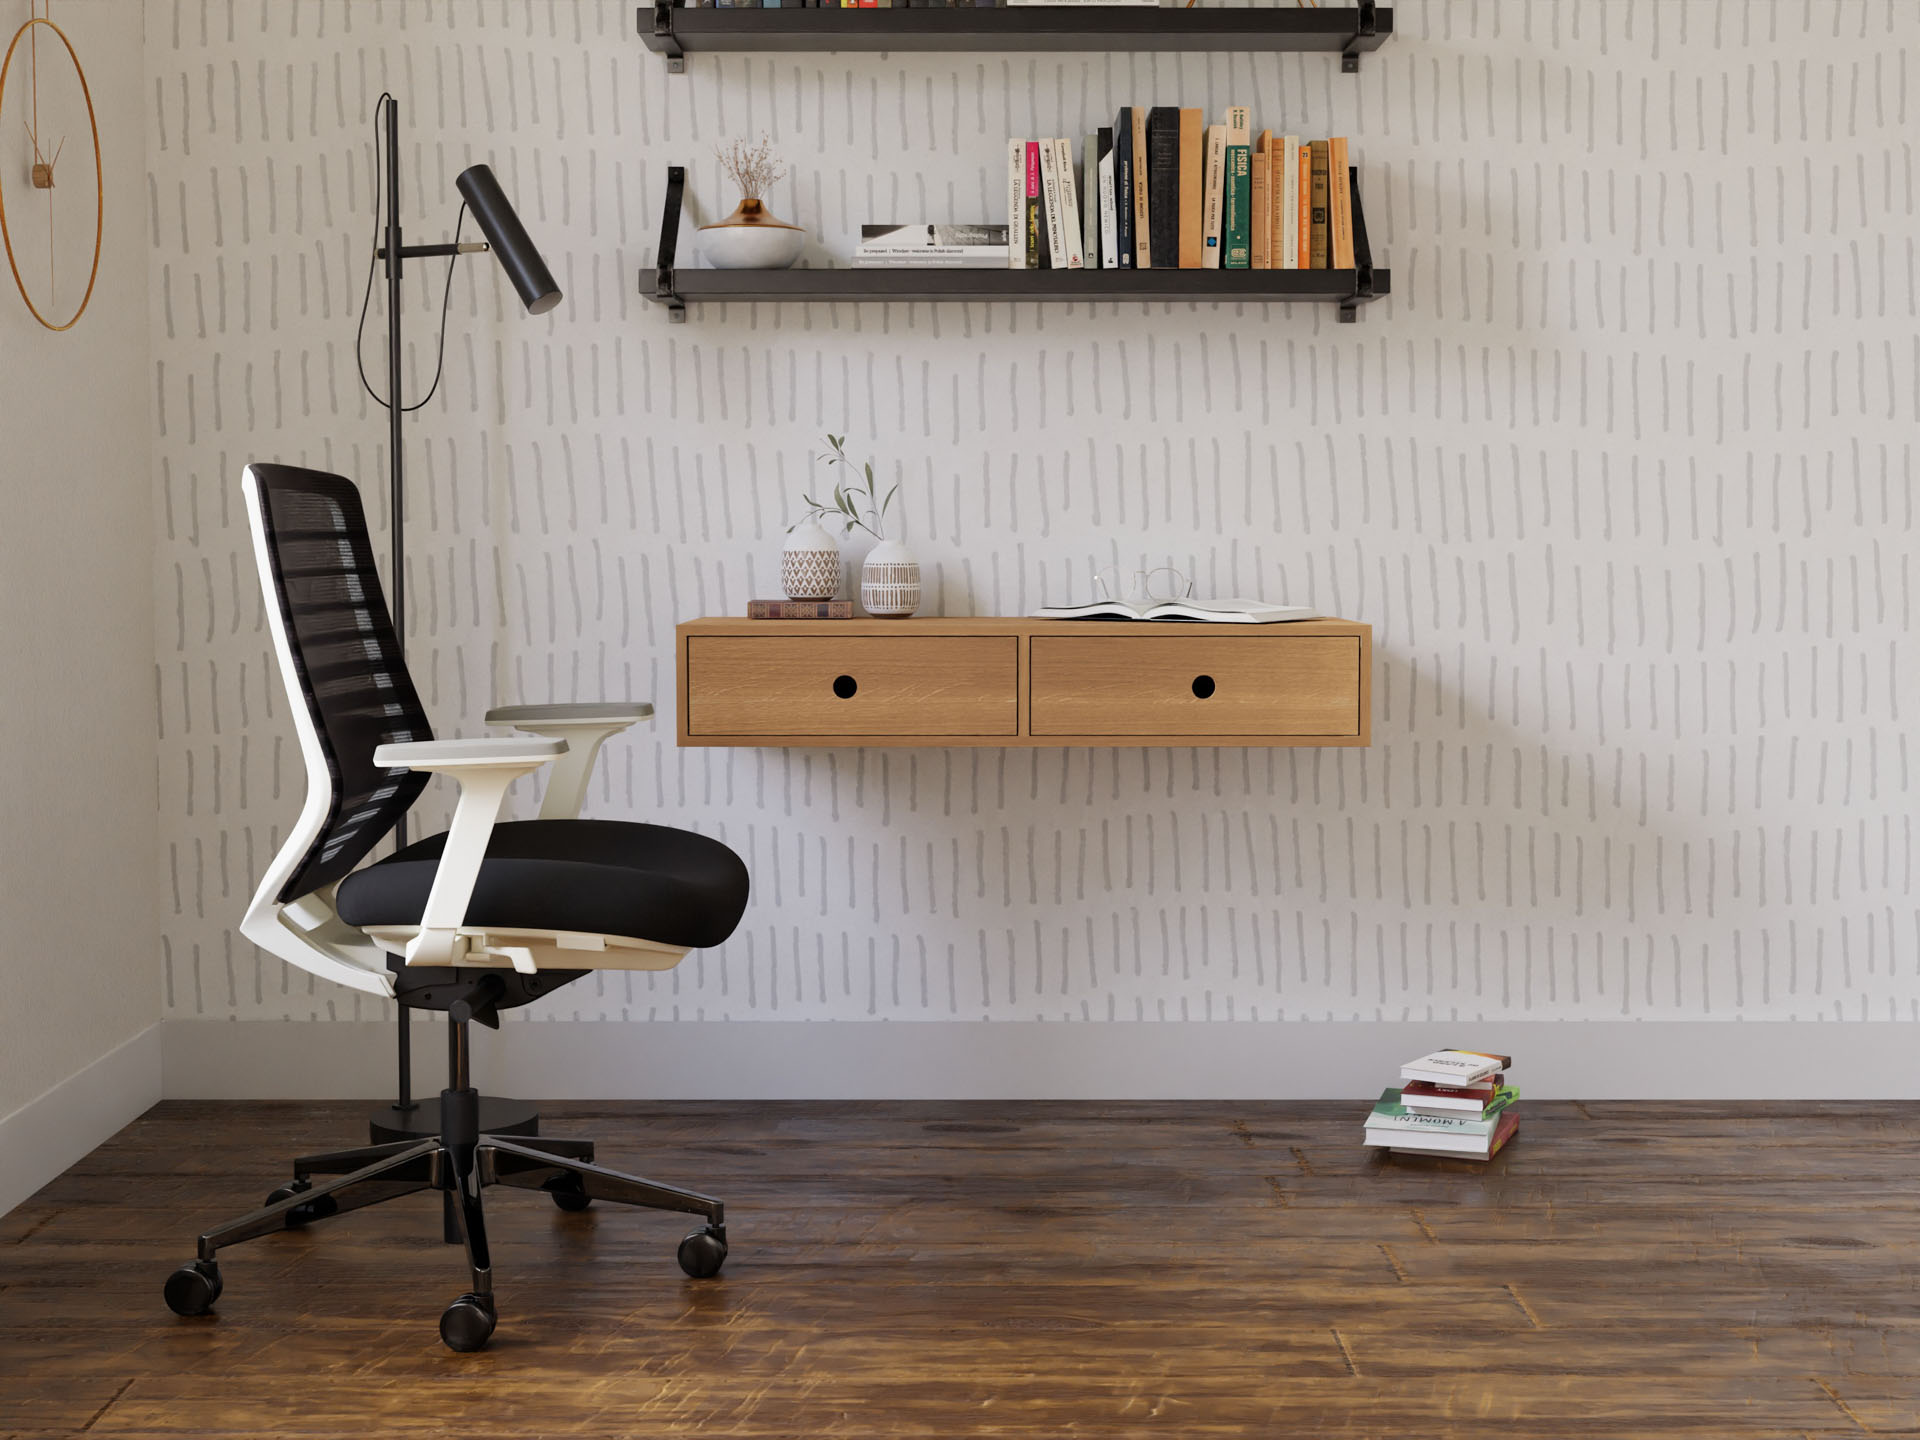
(1037, 1269)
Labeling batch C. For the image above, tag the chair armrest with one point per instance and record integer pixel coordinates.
(453, 756)
(585, 728)
(621, 712)
(484, 768)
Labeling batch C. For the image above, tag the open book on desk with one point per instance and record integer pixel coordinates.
(1216, 612)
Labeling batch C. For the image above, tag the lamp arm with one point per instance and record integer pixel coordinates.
(423, 252)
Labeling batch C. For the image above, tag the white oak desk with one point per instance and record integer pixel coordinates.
(1013, 682)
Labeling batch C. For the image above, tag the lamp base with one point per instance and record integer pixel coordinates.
(422, 1121)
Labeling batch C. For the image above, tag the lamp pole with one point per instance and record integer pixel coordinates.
(396, 505)
(508, 239)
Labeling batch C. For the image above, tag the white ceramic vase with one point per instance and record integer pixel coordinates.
(752, 239)
(810, 565)
(890, 581)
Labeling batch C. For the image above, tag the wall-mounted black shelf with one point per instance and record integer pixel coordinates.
(676, 288)
(677, 31)
(1345, 288)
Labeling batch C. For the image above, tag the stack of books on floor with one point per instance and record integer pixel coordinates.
(935, 247)
(1160, 189)
(1454, 1103)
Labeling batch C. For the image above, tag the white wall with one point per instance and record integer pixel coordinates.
(1621, 474)
(77, 823)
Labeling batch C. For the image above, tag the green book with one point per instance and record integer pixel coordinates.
(1390, 1114)
(1236, 228)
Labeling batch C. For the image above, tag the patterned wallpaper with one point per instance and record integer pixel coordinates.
(1623, 475)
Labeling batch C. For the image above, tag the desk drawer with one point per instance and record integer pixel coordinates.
(1187, 684)
(831, 686)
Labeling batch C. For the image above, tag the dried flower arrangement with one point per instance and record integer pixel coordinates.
(754, 168)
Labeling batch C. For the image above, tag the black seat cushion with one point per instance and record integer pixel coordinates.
(604, 877)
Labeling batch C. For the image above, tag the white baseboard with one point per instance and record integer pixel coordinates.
(871, 1060)
(52, 1131)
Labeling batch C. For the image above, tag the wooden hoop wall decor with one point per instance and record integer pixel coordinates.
(99, 178)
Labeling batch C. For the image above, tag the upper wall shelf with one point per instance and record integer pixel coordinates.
(677, 31)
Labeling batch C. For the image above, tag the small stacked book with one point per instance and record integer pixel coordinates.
(938, 247)
(1451, 1102)
(799, 610)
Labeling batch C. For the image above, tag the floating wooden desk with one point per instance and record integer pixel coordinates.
(1010, 682)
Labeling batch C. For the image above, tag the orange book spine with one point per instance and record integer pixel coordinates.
(1261, 226)
(1305, 217)
(1193, 157)
(1339, 204)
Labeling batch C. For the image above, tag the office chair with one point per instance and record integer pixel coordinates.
(488, 916)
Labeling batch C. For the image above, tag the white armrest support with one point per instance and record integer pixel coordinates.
(484, 768)
(585, 728)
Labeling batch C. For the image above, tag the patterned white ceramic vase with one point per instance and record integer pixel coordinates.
(890, 581)
(810, 565)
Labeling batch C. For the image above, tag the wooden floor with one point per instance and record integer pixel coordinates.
(1023, 1270)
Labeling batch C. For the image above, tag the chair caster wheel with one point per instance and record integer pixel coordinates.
(467, 1324)
(192, 1289)
(704, 1251)
(302, 1214)
(571, 1198)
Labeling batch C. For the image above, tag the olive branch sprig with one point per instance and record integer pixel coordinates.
(857, 505)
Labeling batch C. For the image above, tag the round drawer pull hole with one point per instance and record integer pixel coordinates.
(845, 685)
(1203, 687)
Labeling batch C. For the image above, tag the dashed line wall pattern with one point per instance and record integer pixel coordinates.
(1622, 474)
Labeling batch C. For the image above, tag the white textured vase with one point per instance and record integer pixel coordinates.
(810, 565)
(890, 581)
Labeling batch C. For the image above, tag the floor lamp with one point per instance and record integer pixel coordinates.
(515, 250)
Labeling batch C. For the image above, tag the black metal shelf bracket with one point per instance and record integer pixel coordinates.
(1362, 293)
(665, 288)
(663, 30)
(1369, 27)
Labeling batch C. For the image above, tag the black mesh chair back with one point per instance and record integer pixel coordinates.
(347, 660)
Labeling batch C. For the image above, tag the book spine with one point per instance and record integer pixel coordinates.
(1050, 205)
(1142, 192)
(1236, 224)
(1339, 210)
(1319, 251)
(1016, 204)
(1070, 233)
(1035, 230)
(1286, 213)
(1163, 172)
(1090, 200)
(1123, 187)
(1303, 228)
(1193, 155)
(1362, 251)
(1215, 201)
(1261, 218)
(799, 609)
(1109, 206)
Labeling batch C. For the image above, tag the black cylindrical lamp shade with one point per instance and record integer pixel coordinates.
(512, 246)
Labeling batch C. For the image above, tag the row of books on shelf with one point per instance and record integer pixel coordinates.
(1452, 1103)
(1159, 189)
(1156, 190)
